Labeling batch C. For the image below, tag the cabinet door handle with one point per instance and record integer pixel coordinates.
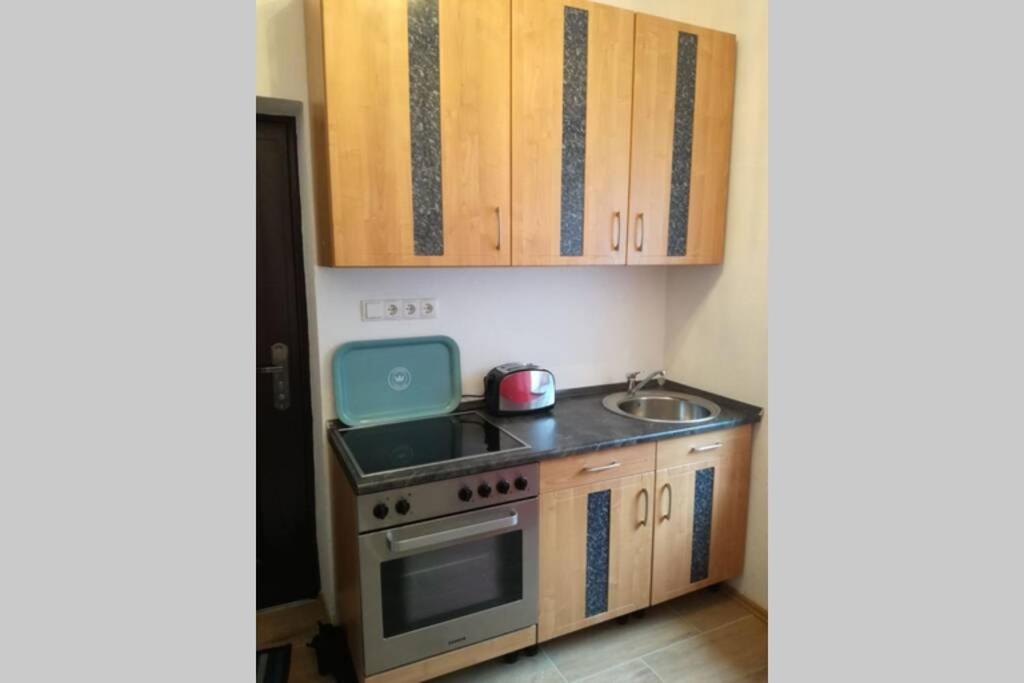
(602, 468)
(668, 515)
(640, 231)
(709, 447)
(647, 506)
(617, 216)
(499, 229)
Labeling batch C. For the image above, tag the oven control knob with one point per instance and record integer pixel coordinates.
(521, 483)
(484, 490)
(402, 506)
(465, 494)
(380, 510)
(503, 486)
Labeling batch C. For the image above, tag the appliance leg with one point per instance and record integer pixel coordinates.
(531, 651)
(512, 657)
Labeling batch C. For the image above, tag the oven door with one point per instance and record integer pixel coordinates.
(443, 584)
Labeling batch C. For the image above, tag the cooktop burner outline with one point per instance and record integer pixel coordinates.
(457, 425)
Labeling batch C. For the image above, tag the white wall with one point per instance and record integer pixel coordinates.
(588, 325)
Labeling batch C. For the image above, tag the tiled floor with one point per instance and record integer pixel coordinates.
(700, 637)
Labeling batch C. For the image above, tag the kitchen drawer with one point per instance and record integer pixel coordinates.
(611, 463)
(683, 451)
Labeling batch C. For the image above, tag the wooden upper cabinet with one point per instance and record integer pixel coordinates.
(682, 132)
(572, 83)
(410, 108)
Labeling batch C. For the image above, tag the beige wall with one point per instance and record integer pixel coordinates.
(717, 316)
(590, 325)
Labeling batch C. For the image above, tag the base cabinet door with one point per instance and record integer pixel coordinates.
(700, 511)
(595, 553)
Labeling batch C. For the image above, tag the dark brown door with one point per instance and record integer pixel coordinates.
(286, 557)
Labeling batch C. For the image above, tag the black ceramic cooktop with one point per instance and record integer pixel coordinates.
(399, 445)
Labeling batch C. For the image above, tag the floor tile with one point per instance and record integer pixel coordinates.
(634, 671)
(536, 669)
(601, 647)
(729, 653)
(706, 610)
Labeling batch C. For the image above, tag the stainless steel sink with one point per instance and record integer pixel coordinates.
(662, 406)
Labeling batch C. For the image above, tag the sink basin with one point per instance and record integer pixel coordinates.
(662, 406)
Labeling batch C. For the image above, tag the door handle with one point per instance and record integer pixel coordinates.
(399, 545)
(668, 515)
(498, 247)
(618, 231)
(647, 506)
(279, 371)
(639, 241)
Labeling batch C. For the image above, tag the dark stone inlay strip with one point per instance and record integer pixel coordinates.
(574, 128)
(701, 552)
(599, 505)
(682, 144)
(425, 123)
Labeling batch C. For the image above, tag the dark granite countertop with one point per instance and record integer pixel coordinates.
(578, 423)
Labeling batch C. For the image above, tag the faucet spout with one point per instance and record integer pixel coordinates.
(635, 386)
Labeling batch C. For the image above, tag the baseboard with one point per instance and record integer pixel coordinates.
(283, 622)
(758, 611)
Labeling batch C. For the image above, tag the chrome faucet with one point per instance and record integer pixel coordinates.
(635, 386)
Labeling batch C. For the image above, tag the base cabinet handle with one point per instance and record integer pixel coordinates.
(667, 487)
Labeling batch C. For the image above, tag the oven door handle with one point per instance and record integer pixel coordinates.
(401, 545)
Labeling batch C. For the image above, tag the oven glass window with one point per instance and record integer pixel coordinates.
(438, 585)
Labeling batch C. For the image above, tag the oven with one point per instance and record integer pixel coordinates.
(438, 585)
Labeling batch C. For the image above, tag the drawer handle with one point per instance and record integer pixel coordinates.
(602, 468)
(647, 506)
(667, 486)
(709, 447)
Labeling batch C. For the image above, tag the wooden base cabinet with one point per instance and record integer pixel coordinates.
(595, 553)
(700, 513)
(625, 528)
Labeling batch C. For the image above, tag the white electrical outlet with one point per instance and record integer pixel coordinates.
(428, 308)
(393, 309)
(410, 308)
(397, 309)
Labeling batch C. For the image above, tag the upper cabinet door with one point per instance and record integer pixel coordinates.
(572, 83)
(414, 114)
(682, 134)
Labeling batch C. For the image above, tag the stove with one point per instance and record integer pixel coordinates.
(448, 563)
(415, 443)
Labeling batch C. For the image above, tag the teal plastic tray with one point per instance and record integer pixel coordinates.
(387, 380)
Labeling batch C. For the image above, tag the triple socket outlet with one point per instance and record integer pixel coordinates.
(398, 309)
